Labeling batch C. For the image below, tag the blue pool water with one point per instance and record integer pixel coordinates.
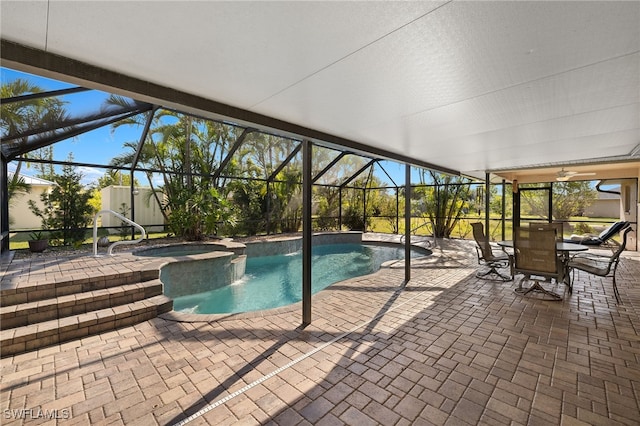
(274, 281)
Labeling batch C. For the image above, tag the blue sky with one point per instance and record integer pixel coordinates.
(101, 145)
(95, 147)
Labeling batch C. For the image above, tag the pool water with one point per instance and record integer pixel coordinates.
(274, 281)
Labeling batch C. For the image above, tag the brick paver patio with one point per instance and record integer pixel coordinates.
(445, 348)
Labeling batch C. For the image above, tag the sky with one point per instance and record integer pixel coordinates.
(95, 147)
(101, 145)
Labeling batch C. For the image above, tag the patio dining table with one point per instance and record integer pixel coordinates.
(564, 249)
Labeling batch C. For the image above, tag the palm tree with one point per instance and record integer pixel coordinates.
(187, 152)
(444, 202)
(20, 117)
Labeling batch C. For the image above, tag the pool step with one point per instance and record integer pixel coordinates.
(47, 321)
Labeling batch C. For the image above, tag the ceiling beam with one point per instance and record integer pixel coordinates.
(40, 95)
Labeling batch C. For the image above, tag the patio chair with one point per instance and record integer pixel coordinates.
(536, 257)
(490, 259)
(557, 226)
(600, 265)
(602, 239)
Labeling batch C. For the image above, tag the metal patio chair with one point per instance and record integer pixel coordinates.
(600, 265)
(491, 260)
(536, 257)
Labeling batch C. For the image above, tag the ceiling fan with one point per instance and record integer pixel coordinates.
(564, 175)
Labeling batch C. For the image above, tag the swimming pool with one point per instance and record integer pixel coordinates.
(275, 281)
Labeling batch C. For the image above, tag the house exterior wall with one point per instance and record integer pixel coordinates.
(629, 209)
(624, 206)
(604, 208)
(118, 198)
(20, 216)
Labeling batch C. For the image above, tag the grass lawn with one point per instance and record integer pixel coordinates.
(20, 241)
(419, 226)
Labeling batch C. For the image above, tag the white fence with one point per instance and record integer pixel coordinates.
(118, 199)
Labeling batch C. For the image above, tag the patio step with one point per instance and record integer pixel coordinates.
(34, 336)
(12, 316)
(98, 281)
(55, 315)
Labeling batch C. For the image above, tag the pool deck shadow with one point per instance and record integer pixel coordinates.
(444, 348)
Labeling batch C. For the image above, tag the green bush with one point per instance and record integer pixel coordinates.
(582, 228)
(65, 208)
(354, 220)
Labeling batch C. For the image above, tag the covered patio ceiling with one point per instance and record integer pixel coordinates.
(472, 87)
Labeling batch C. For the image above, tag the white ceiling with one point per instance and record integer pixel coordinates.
(471, 86)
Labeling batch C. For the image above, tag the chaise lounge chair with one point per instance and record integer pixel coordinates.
(602, 238)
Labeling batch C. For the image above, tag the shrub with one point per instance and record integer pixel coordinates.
(583, 228)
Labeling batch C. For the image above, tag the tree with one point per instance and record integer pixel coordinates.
(570, 198)
(198, 211)
(249, 199)
(66, 207)
(278, 201)
(115, 177)
(187, 153)
(364, 199)
(443, 202)
(18, 117)
(287, 198)
(388, 208)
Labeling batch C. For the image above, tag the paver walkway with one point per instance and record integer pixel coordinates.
(445, 348)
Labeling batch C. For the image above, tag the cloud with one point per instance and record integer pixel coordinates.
(90, 175)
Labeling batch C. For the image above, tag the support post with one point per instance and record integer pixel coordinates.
(516, 204)
(550, 203)
(504, 209)
(407, 224)
(306, 232)
(397, 210)
(340, 209)
(4, 205)
(268, 224)
(487, 189)
(364, 209)
(132, 194)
